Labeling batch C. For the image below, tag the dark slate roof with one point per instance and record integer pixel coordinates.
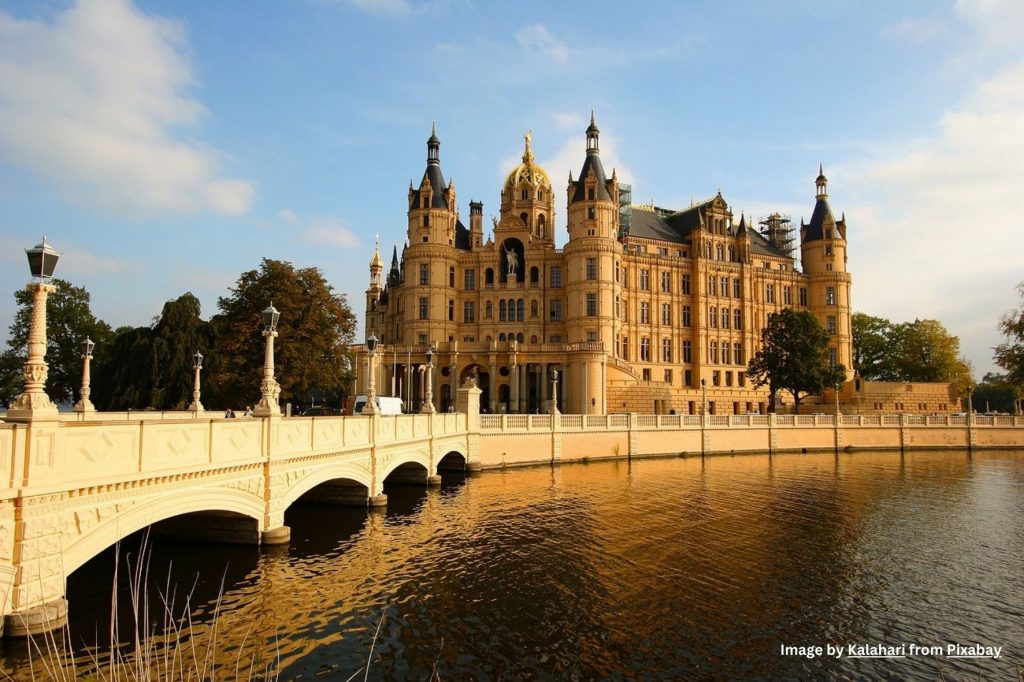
(650, 225)
(462, 240)
(592, 162)
(436, 179)
(760, 245)
(822, 213)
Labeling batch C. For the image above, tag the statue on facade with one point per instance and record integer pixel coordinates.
(513, 260)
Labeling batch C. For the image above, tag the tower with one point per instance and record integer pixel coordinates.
(823, 256)
(593, 257)
(375, 317)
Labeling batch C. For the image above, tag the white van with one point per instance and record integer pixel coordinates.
(385, 405)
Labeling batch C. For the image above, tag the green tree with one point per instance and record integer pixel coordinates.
(926, 352)
(794, 357)
(152, 366)
(995, 393)
(69, 321)
(873, 356)
(1010, 354)
(315, 329)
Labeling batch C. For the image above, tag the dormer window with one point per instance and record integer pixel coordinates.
(828, 234)
(590, 194)
(526, 194)
(540, 195)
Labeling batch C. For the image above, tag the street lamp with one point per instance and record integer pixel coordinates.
(554, 391)
(33, 403)
(269, 388)
(428, 398)
(371, 382)
(84, 404)
(197, 366)
(704, 396)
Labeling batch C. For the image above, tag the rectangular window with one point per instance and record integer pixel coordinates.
(555, 306)
(687, 352)
(666, 350)
(469, 311)
(725, 318)
(555, 338)
(625, 310)
(737, 319)
(769, 293)
(591, 268)
(668, 376)
(830, 324)
(646, 374)
(469, 280)
(688, 381)
(666, 282)
(787, 295)
(645, 280)
(725, 352)
(728, 378)
(716, 379)
(684, 284)
(830, 296)
(712, 286)
(828, 249)
(736, 290)
(832, 357)
(451, 310)
(645, 349)
(591, 305)
(803, 296)
(686, 316)
(424, 273)
(742, 381)
(645, 312)
(556, 276)
(625, 348)
(451, 278)
(724, 286)
(737, 353)
(712, 316)
(591, 335)
(666, 313)
(423, 307)
(713, 352)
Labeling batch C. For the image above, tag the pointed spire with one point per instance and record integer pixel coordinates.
(821, 183)
(433, 146)
(592, 135)
(527, 149)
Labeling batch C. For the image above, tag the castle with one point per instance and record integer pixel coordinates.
(645, 309)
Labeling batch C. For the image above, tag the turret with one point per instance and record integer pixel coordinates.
(476, 224)
(823, 257)
(374, 316)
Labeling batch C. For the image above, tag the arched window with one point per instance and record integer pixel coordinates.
(520, 337)
(501, 337)
(511, 310)
(719, 252)
(501, 310)
(541, 225)
(489, 277)
(521, 311)
(533, 309)
(732, 254)
(525, 218)
(533, 338)
(534, 275)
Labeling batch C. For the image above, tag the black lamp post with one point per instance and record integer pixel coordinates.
(197, 367)
(84, 404)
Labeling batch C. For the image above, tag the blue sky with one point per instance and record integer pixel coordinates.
(167, 146)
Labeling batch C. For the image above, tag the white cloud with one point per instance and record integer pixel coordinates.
(93, 102)
(73, 259)
(917, 30)
(330, 231)
(537, 38)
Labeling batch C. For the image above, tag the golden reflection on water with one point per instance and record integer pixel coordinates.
(663, 568)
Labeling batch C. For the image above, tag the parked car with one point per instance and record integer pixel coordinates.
(386, 405)
(321, 411)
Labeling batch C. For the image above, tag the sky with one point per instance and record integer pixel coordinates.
(168, 146)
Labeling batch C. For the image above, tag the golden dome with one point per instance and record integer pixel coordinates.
(377, 262)
(528, 172)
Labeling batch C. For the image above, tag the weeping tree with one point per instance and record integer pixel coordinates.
(315, 330)
(151, 367)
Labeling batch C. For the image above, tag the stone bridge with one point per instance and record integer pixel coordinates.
(74, 486)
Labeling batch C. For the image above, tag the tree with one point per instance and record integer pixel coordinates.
(1010, 354)
(995, 393)
(794, 357)
(873, 356)
(152, 366)
(315, 329)
(69, 321)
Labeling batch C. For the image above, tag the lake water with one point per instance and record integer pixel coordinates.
(650, 569)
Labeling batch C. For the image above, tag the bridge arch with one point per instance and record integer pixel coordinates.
(150, 511)
(419, 456)
(453, 460)
(340, 473)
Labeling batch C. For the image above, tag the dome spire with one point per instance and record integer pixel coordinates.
(433, 146)
(592, 135)
(821, 183)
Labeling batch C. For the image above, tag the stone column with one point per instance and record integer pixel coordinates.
(513, 399)
(33, 403)
(468, 403)
(494, 387)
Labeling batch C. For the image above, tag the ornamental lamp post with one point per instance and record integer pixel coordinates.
(554, 391)
(33, 403)
(428, 398)
(269, 388)
(197, 367)
(371, 382)
(704, 396)
(84, 404)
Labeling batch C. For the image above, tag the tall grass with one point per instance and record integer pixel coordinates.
(159, 642)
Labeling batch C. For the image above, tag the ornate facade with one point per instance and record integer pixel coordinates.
(645, 309)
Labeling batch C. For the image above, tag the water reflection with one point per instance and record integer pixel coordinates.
(643, 569)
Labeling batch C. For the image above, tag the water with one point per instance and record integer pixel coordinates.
(652, 569)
